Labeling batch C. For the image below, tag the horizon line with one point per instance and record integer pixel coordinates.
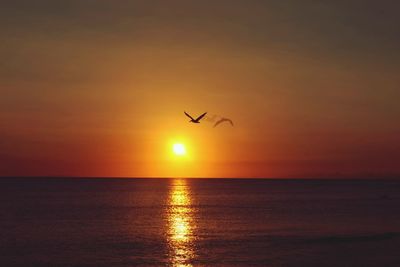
(396, 177)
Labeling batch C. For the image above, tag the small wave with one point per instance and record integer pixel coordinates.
(355, 238)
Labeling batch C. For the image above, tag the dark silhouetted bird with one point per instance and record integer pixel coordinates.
(195, 120)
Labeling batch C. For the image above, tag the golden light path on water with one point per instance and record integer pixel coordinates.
(181, 224)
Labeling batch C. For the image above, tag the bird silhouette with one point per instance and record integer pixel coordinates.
(195, 120)
(223, 120)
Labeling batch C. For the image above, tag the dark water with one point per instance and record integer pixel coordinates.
(199, 222)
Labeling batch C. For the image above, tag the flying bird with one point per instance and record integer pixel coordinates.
(195, 120)
(223, 120)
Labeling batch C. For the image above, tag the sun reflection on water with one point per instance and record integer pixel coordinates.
(180, 224)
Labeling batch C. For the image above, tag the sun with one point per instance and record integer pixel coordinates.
(179, 149)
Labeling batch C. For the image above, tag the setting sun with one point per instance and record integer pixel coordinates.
(179, 149)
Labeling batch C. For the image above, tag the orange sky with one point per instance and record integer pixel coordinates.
(99, 88)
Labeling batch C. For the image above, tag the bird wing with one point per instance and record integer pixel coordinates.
(201, 116)
(222, 120)
(188, 115)
(218, 122)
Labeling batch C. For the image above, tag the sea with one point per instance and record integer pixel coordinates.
(199, 222)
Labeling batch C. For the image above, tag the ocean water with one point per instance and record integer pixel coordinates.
(199, 222)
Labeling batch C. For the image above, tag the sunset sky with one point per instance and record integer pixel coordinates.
(98, 88)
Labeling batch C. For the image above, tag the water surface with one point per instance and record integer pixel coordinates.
(199, 222)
